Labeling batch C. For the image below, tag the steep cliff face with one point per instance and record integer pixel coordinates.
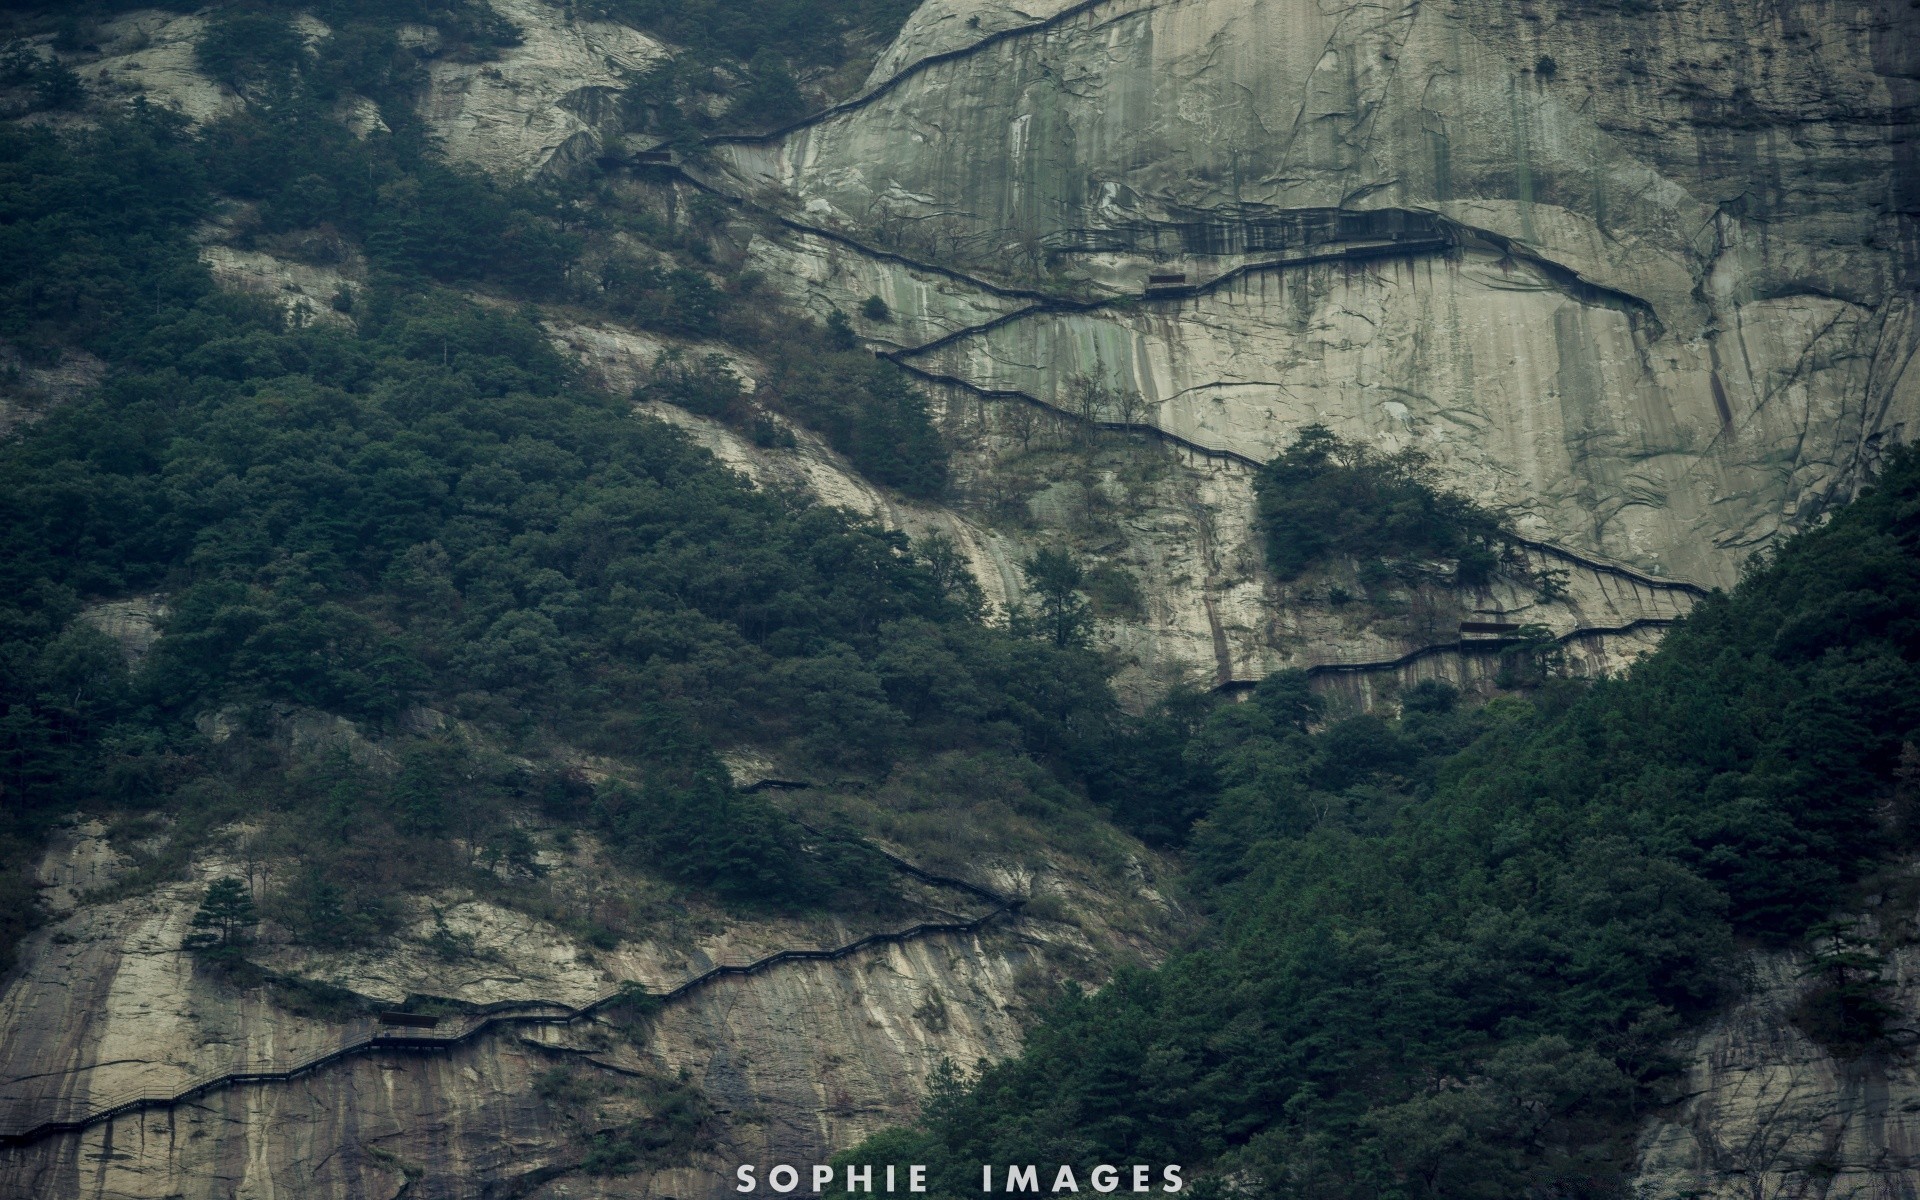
(788, 1064)
(1642, 274)
(544, 102)
(1767, 1111)
(1531, 385)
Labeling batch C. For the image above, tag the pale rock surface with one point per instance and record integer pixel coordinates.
(134, 623)
(817, 470)
(1528, 399)
(1183, 523)
(1667, 328)
(1212, 621)
(797, 1061)
(78, 860)
(104, 1005)
(944, 26)
(149, 54)
(1769, 1114)
(1674, 318)
(619, 359)
(545, 102)
(28, 391)
(1214, 614)
(305, 291)
(822, 276)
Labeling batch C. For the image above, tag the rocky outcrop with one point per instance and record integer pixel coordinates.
(545, 103)
(29, 390)
(789, 1064)
(149, 55)
(1768, 1113)
(1213, 370)
(133, 623)
(1641, 274)
(1649, 320)
(308, 293)
(1180, 523)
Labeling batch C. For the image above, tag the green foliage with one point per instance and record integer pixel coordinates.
(742, 59)
(675, 1119)
(708, 387)
(424, 506)
(1061, 615)
(312, 998)
(678, 1124)
(414, 214)
(952, 578)
(1533, 656)
(242, 47)
(769, 434)
(673, 299)
(86, 229)
(771, 97)
(323, 910)
(868, 411)
(1847, 1009)
(226, 917)
(702, 832)
(1324, 498)
(1115, 590)
(1451, 947)
(52, 84)
(256, 46)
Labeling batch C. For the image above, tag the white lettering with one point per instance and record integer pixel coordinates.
(745, 1176)
(916, 1179)
(1023, 1179)
(1172, 1175)
(822, 1178)
(863, 1177)
(986, 1178)
(1064, 1180)
(1104, 1178)
(1140, 1177)
(889, 1176)
(773, 1178)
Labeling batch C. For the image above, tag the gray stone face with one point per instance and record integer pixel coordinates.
(1672, 315)
(1640, 274)
(793, 1064)
(1769, 1112)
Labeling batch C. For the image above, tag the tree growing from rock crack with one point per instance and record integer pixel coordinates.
(226, 917)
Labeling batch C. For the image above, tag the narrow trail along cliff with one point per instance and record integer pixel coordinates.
(392, 1033)
(1330, 236)
(1642, 277)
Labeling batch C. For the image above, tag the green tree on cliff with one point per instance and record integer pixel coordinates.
(226, 917)
(1062, 615)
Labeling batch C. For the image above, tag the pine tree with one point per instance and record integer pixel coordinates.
(1064, 617)
(226, 917)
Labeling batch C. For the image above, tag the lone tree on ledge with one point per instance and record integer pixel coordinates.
(1064, 617)
(226, 917)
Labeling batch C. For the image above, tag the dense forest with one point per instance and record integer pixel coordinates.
(1450, 948)
(1447, 946)
(426, 507)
